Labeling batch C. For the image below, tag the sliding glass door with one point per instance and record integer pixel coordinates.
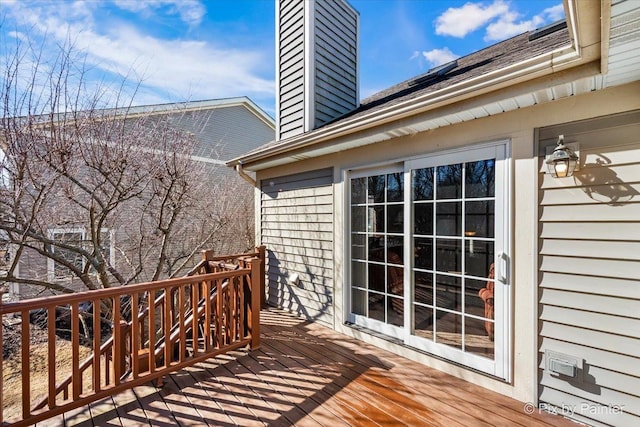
(429, 255)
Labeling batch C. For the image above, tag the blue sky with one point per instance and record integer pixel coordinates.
(191, 50)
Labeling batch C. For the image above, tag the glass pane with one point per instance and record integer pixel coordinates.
(423, 321)
(449, 219)
(422, 288)
(473, 303)
(395, 250)
(395, 311)
(376, 277)
(376, 248)
(476, 338)
(357, 246)
(478, 257)
(422, 184)
(449, 292)
(358, 274)
(359, 302)
(480, 179)
(376, 306)
(449, 255)
(358, 190)
(395, 280)
(377, 219)
(358, 218)
(376, 189)
(423, 218)
(395, 187)
(479, 219)
(449, 182)
(449, 329)
(395, 219)
(423, 253)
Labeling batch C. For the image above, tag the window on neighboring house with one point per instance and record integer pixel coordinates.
(75, 237)
(425, 237)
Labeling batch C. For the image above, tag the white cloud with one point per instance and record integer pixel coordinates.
(190, 11)
(168, 70)
(554, 13)
(460, 21)
(508, 25)
(437, 57)
(17, 35)
(500, 17)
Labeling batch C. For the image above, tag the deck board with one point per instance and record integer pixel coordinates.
(307, 375)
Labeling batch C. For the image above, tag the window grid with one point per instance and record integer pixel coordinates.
(379, 266)
(434, 237)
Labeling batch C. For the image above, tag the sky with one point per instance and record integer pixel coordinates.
(181, 50)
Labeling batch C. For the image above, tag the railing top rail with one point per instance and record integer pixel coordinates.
(235, 256)
(32, 304)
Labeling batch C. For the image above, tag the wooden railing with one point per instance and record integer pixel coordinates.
(141, 333)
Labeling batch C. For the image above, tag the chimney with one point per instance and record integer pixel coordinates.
(316, 63)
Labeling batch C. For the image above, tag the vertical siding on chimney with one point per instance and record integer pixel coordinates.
(336, 62)
(316, 63)
(290, 68)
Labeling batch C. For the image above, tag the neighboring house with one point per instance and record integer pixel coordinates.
(220, 129)
(423, 220)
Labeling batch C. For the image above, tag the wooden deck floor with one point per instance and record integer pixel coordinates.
(308, 375)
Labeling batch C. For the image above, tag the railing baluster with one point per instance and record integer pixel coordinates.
(117, 353)
(233, 308)
(75, 351)
(51, 354)
(242, 308)
(168, 348)
(135, 336)
(96, 344)
(219, 319)
(26, 368)
(207, 315)
(255, 302)
(195, 306)
(181, 327)
(152, 331)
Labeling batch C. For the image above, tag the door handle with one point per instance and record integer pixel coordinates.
(502, 267)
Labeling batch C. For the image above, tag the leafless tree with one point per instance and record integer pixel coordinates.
(107, 196)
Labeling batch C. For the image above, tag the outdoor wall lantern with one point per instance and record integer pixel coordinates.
(563, 161)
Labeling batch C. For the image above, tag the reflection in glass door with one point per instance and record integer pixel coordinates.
(456, 231)
(377, 251)
(453, 240)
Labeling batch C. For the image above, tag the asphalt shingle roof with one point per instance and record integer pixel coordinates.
(508, 52)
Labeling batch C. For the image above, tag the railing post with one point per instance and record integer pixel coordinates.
(207, 256)
(263, 291)
(254, 319)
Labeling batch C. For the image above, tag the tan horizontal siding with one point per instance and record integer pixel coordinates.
(589, 337)
(591, 231)
(299, 209)
(604, 267)
(570, 401)
(296, 219)
(621, 288)
(629, 251)
(589, 320)
(589, 279)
